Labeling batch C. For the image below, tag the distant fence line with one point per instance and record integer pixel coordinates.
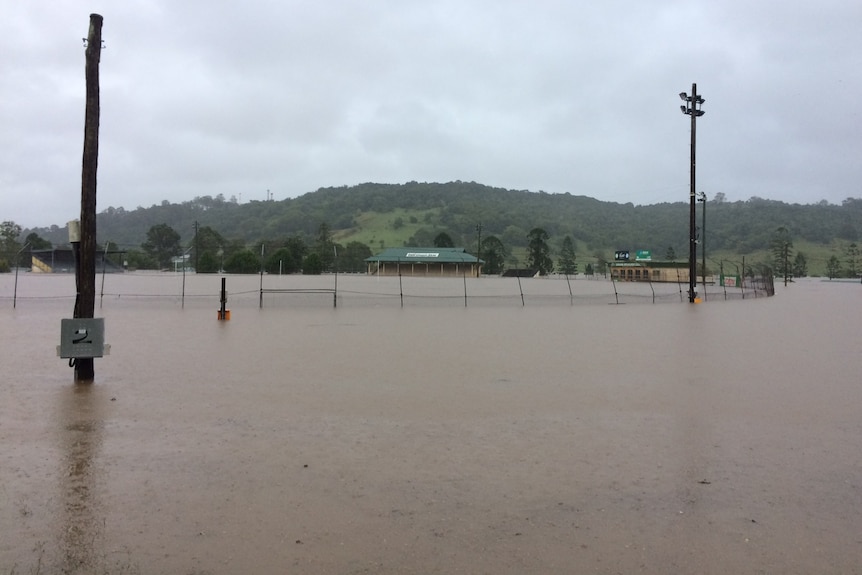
(361, 290)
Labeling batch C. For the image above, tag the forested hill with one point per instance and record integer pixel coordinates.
(414, 213)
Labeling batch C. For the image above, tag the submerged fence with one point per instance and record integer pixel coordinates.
(336, 290)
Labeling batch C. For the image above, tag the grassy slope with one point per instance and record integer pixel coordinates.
(378, 230)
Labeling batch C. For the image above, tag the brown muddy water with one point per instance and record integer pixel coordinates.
(436, 437)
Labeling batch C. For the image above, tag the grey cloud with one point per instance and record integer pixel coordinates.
(236, 98)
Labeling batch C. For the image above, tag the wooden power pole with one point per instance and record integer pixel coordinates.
(85, 276)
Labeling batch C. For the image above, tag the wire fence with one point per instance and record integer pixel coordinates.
(337, 290)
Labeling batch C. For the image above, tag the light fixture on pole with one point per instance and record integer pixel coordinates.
(692, 108)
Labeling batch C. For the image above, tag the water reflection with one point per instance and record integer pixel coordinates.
(81, 426)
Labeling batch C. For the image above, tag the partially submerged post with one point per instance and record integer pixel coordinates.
(261, 274)
(223, 313)
(85, 267)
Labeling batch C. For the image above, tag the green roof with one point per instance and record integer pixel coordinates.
(424, 255)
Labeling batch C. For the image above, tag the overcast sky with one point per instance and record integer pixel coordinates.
(206, 97)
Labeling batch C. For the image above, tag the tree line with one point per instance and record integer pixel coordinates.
(414, 213)
(210, 252)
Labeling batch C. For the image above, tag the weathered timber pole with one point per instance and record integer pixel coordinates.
(85, 276)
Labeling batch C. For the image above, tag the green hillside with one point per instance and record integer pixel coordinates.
(392, 215)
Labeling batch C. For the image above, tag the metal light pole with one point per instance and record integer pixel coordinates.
(18, 265)
(702, 198)
(185, 256)
(478, 249)
(692, 108)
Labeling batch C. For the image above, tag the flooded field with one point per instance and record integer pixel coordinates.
(413, 429)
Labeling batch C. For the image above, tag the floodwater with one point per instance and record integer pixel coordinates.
(491, 436)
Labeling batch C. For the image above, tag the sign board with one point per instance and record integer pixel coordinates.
(643, 255)
(622, 255)
(731, 281)
(82, 337)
